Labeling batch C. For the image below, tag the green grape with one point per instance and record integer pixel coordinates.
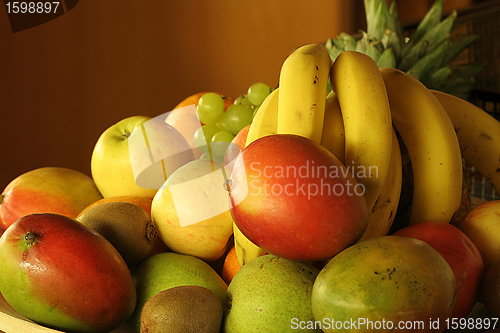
(243, 100)
(236, 117)
(220, 142)
(210, 108)
(258, 92)
(217, 158)
(203, 136)
(220, 124)
(238, 99)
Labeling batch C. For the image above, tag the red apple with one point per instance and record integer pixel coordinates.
(459, 252)
(62, 274)
(293, 198)
(47, 190)
(236, 146)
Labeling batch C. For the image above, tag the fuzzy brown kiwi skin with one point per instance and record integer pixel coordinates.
(126, 226)
(182, 309)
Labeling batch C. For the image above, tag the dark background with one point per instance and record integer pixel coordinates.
(64, 82)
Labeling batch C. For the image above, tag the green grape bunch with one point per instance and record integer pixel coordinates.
(426, 55)
(219, 128)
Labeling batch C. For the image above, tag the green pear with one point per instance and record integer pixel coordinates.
(271, 294)
(166, 270)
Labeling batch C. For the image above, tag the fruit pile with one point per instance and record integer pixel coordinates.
(294, 233)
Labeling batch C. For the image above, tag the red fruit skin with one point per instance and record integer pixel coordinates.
(70, 278)
(295, 224)
(47, 190)
(459, 252)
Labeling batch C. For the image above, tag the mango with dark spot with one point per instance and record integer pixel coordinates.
(383, 284)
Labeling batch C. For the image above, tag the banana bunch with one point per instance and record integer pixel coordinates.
(358, 122)
(426, 55)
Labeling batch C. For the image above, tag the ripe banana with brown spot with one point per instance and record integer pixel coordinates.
(333, 128)
(296, 107)
(384, 211)
(478, 135)
(356, 79)
(303, 86)
(429, 136)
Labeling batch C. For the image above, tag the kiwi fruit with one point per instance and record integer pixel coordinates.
(183, 309)
(126, 226)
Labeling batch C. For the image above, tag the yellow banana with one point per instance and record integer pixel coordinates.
(246, 251)
(356, 79)
(478, 135)
(303, 87)
(432, 144)
(296, 107)
(264, 123)
(265, 120)
(384, 211)
(333, 128)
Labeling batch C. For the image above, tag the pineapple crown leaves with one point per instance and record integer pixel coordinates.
(397, 26)
(426, 54)
(423, 66)
(387, 59)
(457, 47)
(432, 38)
(377, 18)
(430, 20)
(382, 20)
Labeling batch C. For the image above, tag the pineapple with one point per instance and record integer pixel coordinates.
(426, 55)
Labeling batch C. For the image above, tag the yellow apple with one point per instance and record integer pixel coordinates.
(191, 210)
(135, 156)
